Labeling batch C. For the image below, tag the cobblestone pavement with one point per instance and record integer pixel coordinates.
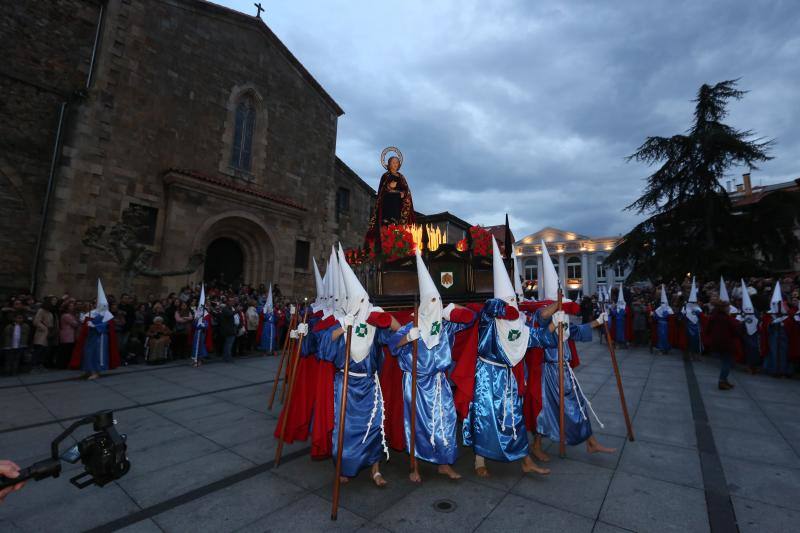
(201, 447)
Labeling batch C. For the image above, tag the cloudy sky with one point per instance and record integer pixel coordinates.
(530, 107)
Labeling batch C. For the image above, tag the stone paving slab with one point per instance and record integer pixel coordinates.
(208, 441)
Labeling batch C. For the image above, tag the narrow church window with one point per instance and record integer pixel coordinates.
(342, 202)
(301, 253)
(241, 155)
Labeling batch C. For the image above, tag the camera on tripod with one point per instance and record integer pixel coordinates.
(103, 455)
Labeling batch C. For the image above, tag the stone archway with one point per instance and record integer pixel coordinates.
(224, 262)
(250, 235)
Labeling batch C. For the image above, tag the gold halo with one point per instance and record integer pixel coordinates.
(394, 150)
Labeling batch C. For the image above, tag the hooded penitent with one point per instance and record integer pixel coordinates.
(430, 306)
(664, 308)
(518, 288)
(691, 304)
(319, 302)
(723, 296)
(102, 304)
(512, 334)
(748, 314)
(359, 308)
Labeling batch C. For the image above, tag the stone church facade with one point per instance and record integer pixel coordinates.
(195, 113)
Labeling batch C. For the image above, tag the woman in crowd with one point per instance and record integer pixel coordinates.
(68, 328)
(183, 317)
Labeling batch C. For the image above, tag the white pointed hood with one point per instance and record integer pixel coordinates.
(549, 276)
(337, 284)
(503, 289)
(319, 301)
(200, 312)
(689, 310)
(776, 304)
(723, 291)
(748, 314)
(664, 308)
(358, 307)
(269, 306)
(101, 309)
(511, 334)
(621, 297)
(430, 306)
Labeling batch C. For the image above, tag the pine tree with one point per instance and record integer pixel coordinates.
(692, 226)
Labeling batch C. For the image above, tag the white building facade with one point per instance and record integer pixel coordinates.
(579, 261)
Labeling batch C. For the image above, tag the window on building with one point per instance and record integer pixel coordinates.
(574, 268)
(242, 152)
(531, 270)
(302, 250)
(342, 202)
(619, 271)
(601, 269)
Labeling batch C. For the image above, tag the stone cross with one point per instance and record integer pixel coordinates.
(259, 8)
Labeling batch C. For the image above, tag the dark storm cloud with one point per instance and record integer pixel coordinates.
(531, 107)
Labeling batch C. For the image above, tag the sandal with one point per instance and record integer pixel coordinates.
(375, 477)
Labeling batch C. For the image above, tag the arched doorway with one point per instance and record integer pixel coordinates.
(224, 262)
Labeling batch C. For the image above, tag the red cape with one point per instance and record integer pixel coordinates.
(80, 343)
(209, 342)
(302, 403)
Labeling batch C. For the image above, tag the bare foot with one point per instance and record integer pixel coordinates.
(415, 477)
(593, 446)
(343, 480)
(448, 471)
(482, 471)
(539, 454)
(529, 467)
(377, 477)
(93, 376)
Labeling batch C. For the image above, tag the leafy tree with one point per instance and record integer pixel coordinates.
(692, 225)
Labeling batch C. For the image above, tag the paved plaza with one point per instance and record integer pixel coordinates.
(201, 447)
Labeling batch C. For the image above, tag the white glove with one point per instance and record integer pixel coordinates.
(603, 318)
(302, 329)
(413, 334)
(292, 309)
(348, 320)
(293, 334)
(561, 319)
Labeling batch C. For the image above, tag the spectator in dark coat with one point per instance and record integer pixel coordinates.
(722, 331)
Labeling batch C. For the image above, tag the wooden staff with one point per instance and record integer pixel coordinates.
(342, 408)
(412, 438)
(280, 366)
(288, 405)
(562, 444)
(619, 382)
(292, 342)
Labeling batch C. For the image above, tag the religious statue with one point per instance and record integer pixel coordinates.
(394, 204)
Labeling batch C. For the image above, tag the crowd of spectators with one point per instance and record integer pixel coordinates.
(149, 329)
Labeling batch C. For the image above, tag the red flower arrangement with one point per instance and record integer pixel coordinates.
(356, 256)
(396, 242)
(481, 241)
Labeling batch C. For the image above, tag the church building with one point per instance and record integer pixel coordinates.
(195, 116)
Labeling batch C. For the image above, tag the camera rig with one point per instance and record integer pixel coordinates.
(102, 454)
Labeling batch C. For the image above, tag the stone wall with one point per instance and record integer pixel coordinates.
(46, 54)
(168, 76)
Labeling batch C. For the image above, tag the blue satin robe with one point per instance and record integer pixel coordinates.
(494, 432)
(309, 345)
(436, 411)
(267, 341)
(362, 396)
(95, 351)
(618, 314)
(777, 361)
(693, 333)
(577, 426)
(662, 332)
(199, 350)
